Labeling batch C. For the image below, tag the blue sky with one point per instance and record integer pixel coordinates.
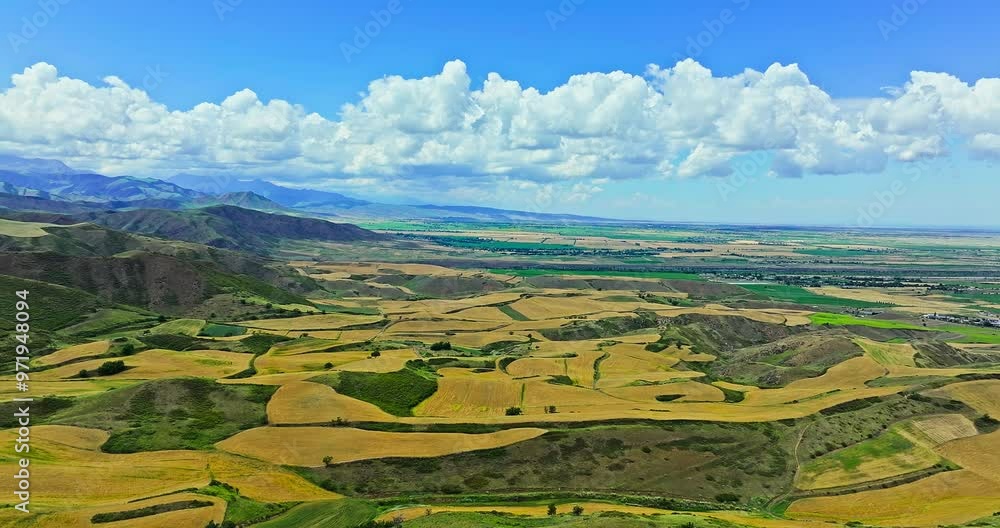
(293, 51)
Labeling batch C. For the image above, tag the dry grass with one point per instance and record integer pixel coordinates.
(16, 229)
(306, 446)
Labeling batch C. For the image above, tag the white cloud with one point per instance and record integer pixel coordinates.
(597, 127)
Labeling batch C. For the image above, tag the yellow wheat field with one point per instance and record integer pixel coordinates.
(74, 352)
(61, 518)
(532, 366)
(315, 362)
(307, 446)
(981, 395)
(690, 391)
(461, 393)
(849, 375)
(157, 363)
(952, 497)
(387, 361)
(312, 322)
(978, 454)
(189, 327)
(937, 430)
(307, 402)
(889, 354)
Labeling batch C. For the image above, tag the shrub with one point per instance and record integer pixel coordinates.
(110, 368)
(727, 497)
(552, 509)
(441, 345)
(577, 510)
(513, 411)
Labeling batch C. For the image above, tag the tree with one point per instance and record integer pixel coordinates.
(552, 509)
(83, 374)
(109, 368)
(375, 354)
(513, 411)
(128, 349)
(328, 460)
(441, 345)
(328, 365)
(728, 497)
(211, 524)
(577, 510)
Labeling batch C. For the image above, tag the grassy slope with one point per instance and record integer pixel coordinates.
(188, 413)
(346, 513)
(396, 393)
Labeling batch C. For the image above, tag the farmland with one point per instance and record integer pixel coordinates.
(474, 375)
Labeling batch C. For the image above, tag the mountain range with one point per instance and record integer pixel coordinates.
(52, 186)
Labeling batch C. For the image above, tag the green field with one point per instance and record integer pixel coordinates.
(221, 330)
(970, 334)
(536, 272)
(603, 520)
(512, 313)
(797, 295)
(345, 513)
(394, 392)
(885, 445)
(821, 318)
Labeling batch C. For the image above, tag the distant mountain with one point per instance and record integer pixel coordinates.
(493, 214)
(245, 200)
(229, 227)
(55, 185)
(288, 197)
(46, 167)
(97, 188)
(19, 202)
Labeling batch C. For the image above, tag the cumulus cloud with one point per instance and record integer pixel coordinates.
(675, 122)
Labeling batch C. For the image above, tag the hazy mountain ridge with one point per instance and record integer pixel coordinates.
(54, 180)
